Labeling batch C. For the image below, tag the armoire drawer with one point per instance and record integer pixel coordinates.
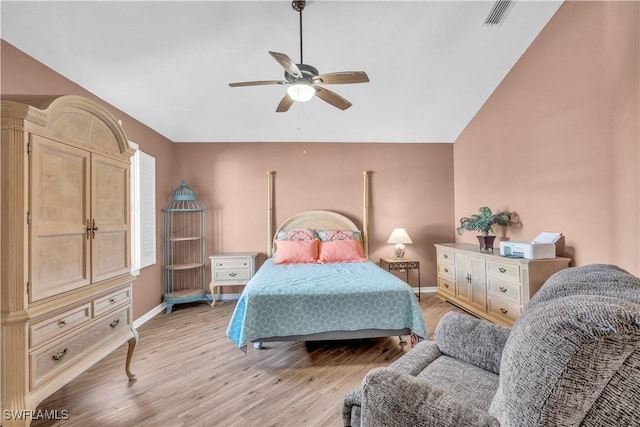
(59, 324)
(51, 359)
(445, 256)
(111, 301)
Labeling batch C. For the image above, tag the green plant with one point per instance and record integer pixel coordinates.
(484, 221)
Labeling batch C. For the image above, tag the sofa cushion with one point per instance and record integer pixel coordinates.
(472, 340)
(453, 376)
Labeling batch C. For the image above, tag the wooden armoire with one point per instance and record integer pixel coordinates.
(66, 283)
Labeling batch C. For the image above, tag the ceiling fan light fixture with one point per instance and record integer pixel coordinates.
(301, 92)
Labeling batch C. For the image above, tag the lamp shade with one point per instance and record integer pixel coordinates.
(399, 235)
(301, 92)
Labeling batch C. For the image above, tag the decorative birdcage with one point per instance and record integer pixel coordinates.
(184, 275)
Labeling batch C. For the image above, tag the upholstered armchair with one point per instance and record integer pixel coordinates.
(572, 358)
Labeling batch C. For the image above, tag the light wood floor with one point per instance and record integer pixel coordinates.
(190, 374)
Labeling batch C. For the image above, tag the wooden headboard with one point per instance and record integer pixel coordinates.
(319, 219)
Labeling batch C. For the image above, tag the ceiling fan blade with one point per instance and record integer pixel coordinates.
(332, 98)
(287, 63)
(284, 104)
(259, 83)
(343, 77)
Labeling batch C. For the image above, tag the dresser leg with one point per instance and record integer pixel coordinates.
(212, 287)
(133, 341)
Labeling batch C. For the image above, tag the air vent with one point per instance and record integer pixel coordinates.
(498, 13)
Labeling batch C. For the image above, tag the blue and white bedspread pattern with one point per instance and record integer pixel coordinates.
(300, 299)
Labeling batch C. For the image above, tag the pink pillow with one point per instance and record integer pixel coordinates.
(296, 251)
(341, 251)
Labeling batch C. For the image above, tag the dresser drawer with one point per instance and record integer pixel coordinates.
(510, 292)
(109, 302)
(445, 256)
(446, 286)
(447, 270)
(59, 324)
(233, 264)
(49, 360)
(504, 271)
(500, 309)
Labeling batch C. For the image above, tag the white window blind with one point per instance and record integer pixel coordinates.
(143, 173)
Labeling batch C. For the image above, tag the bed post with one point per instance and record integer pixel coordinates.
(365, 215)
(269, 214)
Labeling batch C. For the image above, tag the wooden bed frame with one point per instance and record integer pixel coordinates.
(325, 220)
(319, 219)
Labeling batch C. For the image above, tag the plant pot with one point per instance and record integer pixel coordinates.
(486, 242)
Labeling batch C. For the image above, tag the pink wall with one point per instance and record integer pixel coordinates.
(21, 74)
(411, 186)
(558, 141)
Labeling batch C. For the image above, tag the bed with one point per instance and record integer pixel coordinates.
(335, 297)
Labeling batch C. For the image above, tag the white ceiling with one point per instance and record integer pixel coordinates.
(432, 64)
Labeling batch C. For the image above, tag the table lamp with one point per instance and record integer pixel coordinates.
(399, 236)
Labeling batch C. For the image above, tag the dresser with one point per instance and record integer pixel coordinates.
(231, 269)
(488, 285)
(65, 230)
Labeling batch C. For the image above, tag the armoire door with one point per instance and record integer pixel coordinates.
(110, 240)
(59, 206)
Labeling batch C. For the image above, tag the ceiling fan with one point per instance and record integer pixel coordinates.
(304, 80)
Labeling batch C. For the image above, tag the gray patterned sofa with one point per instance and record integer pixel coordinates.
(571, 359)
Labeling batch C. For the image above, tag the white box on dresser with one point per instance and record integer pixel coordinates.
(488, 285)
(65, 236)
(231, 269)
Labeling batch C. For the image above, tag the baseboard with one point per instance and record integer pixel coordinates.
(426, 290)
(149, 314)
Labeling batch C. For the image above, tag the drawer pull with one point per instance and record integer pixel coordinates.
(503, 311)
(446, 285)
(445, 256)
(502, 269)
(502, 289)
(59, 355)
(446, 270)
(62, 322)
(112, 300)
(232, 274)
(114, 323)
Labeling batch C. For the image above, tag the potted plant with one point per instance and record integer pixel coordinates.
(484, 221)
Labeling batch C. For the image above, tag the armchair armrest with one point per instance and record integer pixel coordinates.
(472, 340)
(392, 398)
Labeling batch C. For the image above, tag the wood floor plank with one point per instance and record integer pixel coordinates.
(190, 374)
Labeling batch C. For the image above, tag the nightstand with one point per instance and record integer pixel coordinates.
(403, 264)
(231, 269)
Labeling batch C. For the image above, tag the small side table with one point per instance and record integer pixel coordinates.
(231, 269)
(403, 264)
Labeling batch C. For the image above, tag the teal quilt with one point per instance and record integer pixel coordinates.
(299, 299)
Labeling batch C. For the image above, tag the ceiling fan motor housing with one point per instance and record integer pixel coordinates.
(308, 73)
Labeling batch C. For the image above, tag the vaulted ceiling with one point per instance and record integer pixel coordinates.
(431, 64)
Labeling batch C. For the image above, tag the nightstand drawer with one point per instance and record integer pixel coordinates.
(62, 323)
(510, 292)
(504, 271)
(233, 263)
(226, 275)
